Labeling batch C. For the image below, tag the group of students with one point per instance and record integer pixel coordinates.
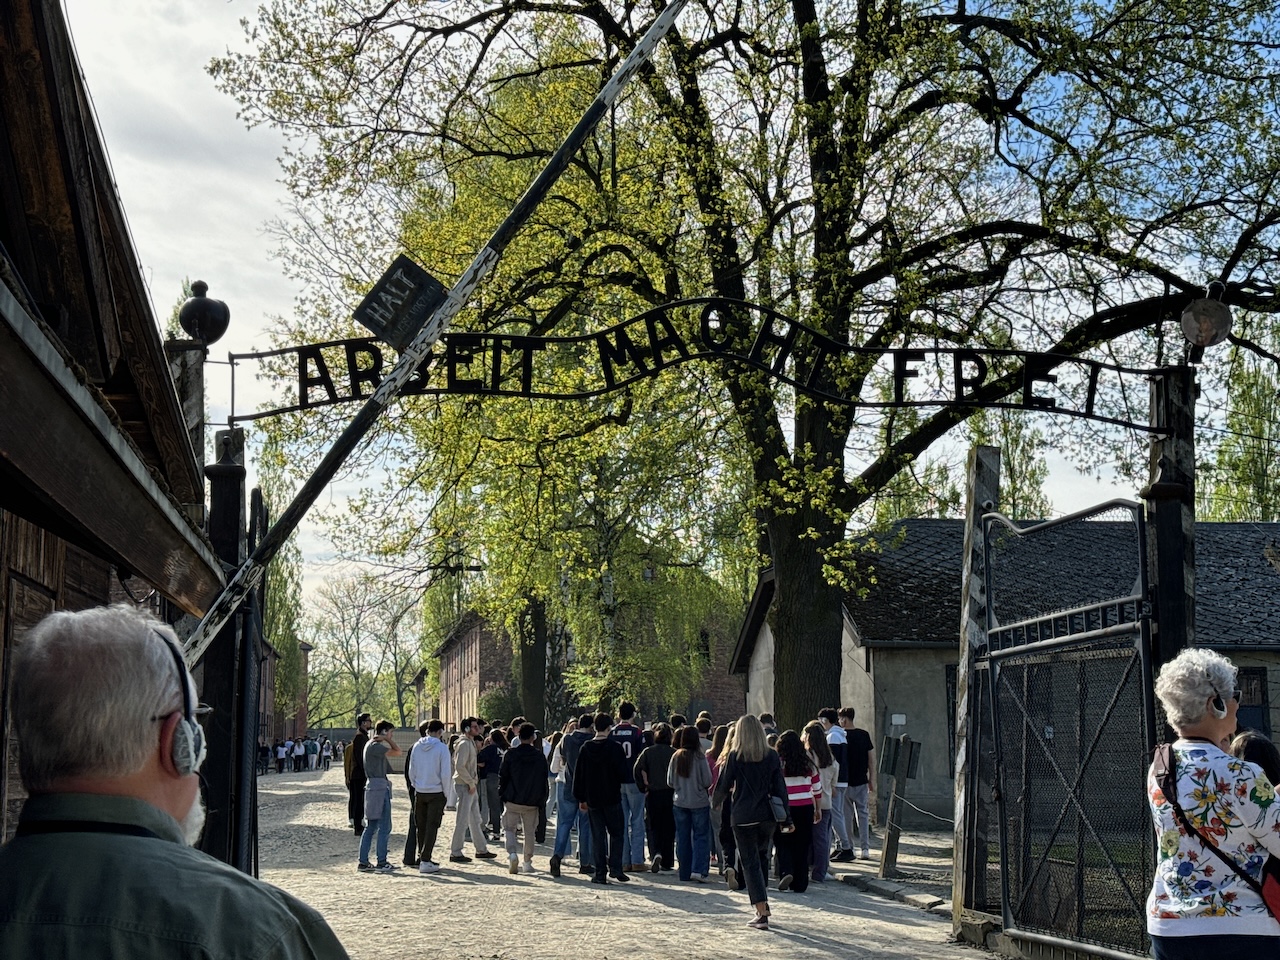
(684, 791)
(305, 753)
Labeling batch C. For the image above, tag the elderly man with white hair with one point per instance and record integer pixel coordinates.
(102, 864)
(1215, 823)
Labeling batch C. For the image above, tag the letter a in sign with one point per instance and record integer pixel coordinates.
(400, 303)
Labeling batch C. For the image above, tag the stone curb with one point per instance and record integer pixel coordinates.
(896, 891)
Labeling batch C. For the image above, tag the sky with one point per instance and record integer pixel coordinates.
(199, 190)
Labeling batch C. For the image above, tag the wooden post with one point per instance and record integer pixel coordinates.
(1171, 512)
(982, 494)
(219, 668)
(901, 767)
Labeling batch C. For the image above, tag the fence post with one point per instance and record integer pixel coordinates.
(1171, 512)
(901, 767)
(982, 493)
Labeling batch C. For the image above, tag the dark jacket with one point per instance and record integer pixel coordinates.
(750, 785)
(569, 748)
(651, 767)
(599, 773)
(522, 778)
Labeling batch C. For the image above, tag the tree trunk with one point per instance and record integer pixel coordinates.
(807, 628)
(533, 665)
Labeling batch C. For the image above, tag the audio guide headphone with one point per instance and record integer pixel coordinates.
(1218, 705)
(188, 737)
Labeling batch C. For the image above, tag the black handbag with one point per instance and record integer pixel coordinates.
(1165, 768)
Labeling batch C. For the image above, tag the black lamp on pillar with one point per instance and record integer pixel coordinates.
(202, 317)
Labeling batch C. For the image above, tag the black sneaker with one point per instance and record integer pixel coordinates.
(365, 867)
(582, 868)
(459, 858)
(487, 855)
(620, 877)
(656, 865)
(842, 856)
(554, 865)
(601, 880)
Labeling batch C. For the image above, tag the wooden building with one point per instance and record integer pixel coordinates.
(99, 481)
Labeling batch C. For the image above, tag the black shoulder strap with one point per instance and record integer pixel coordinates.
(33, 827)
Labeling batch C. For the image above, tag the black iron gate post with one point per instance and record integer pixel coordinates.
(220, 668)
(1171, 512)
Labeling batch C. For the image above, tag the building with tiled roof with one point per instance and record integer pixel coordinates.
(902, 627)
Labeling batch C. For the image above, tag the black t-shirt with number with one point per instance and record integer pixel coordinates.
(631, 739)
(858, 751)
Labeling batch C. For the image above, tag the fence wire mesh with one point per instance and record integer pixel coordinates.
(1064, 731)
(1078, 839)
(1078, 563)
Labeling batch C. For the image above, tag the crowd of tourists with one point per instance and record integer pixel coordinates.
(752, 803)
(297, 756)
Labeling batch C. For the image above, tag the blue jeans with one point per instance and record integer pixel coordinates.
(568, 817)
(693, 841)
(838, 825)
(632, 824)
(383, 826)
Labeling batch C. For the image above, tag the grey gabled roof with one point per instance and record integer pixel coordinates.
(911, 588)
(1237, 584)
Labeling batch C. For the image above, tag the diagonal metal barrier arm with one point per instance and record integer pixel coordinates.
(251, 572)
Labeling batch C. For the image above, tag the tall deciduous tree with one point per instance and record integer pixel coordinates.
(1042, 174)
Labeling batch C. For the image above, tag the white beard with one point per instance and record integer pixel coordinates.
(193, 822)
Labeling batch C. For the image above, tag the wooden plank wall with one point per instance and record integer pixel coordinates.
(39, 573)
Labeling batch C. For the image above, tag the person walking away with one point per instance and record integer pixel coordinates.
(465, 782)
(629, 735)
(861, 791)
(572, 816)
(650, 772)
(837, 742)
(326, 753)
(355, 773)
(689, 775)
(429, 769)
(522, 790)
(597, 786)
(280, 756)
(299, 755)
(804, 791)
(732, 868)
(815, 741)
(377, 796)
(751, 775)
(410, 858)
(1215, 814)
(714, 750)
(490, 755)
(552, 799)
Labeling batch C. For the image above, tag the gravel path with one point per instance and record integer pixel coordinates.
(478, 911)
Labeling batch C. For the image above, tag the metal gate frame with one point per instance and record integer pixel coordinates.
(1044, 636)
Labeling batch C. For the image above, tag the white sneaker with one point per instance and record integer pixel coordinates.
(513, 865)
(866, 855)
(528, 868)
(427, 866)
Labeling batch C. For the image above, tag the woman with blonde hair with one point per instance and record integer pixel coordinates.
(751, 775)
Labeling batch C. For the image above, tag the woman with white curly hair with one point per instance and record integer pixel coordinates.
(1199, 907)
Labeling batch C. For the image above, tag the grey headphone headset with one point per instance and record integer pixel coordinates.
(188, 737)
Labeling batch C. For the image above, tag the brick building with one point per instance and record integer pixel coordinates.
(472, 658)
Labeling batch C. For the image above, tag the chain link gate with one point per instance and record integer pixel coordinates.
(1066, 720)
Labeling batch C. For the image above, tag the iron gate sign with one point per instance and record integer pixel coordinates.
(500, 364)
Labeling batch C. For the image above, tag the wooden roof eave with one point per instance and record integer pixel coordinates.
(82, 477)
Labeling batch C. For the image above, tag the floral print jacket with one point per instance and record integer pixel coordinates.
(1233, 805)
